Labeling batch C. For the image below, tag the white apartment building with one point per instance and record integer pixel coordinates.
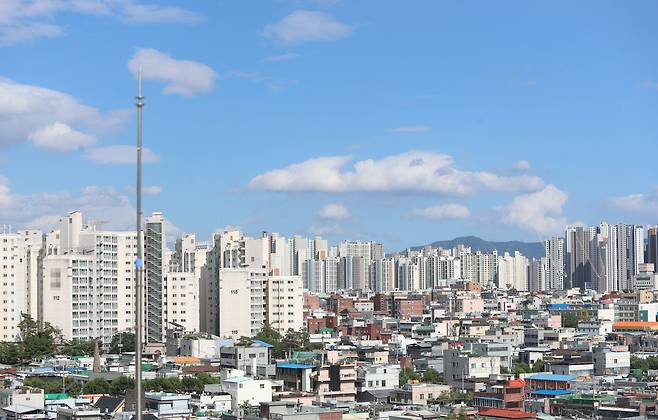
(88, 285)
(284, 302)
(13, 284)
(513, 271)
(241, 305)
(382, 275)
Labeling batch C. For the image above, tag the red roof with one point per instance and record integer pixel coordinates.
(506, 414)
(516, 383)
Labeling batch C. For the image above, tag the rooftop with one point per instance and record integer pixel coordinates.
(550, 377)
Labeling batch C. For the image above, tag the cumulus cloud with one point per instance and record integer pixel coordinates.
(334, 212)
(410, 129)
(26, 20)
(409, 172)
(303, 26)
(450, 211)
(119, 155)
(60, 137)
(280, 57)
(637, 203)
(540, 212)
(43, 210)
(182, 77)
(522, 165)
(51, 119)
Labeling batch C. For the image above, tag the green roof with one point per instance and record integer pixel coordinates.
(326, 330)
(148, 367)
(60, 396)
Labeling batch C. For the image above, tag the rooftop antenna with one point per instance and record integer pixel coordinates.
(139, 262)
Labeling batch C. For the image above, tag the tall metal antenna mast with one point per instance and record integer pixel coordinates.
(139, 262)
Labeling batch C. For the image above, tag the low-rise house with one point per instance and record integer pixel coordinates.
(502, 394)
(417, 394)
(247, 391)
(611, 360)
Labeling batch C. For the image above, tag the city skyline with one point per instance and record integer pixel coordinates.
(255, 120)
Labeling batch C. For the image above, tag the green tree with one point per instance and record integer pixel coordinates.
(538, 366)
(244, 341)
(10, 354)
(121, 384)
(49, 387)
(72, 387)
(123, 342)
(77, 348)
(570, 319)
(504, 370)
(432, 376)
(408, 374)
(521, 368)
(97, 386)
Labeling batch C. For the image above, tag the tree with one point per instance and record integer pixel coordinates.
(521, 368)
(121, 384)
(122, 342)
(28, 327)
(49, 387)
(538, 366)
(78, 348)
(244, 341)
(72, 387)
(97, 386)
(504, 370)
(570, 320)
(408, 374)
(10, 354)
(432, 376)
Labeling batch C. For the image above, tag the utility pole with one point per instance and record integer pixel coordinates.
(139, 262)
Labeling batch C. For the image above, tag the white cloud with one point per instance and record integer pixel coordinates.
(50, 118)
(540, 212)
(305, 26)
(637, 203)
(60, 137)
(409, 172)
(522, 165)
(280, 57)
(119, 155)
(334, 212)
(26, 20)
(450, 211)
(410, 129)
(183, 77)
(43, 210)
(152, 190)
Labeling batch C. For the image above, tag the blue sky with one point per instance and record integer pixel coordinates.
(399, 121)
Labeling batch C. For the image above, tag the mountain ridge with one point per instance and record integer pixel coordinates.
(529, 249)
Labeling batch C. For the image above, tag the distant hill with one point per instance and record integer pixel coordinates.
(529, 249)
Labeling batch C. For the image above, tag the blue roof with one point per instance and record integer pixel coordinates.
(561, 306)
(549, 377)
(261, 343)
(294, 366)
(551, 392)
